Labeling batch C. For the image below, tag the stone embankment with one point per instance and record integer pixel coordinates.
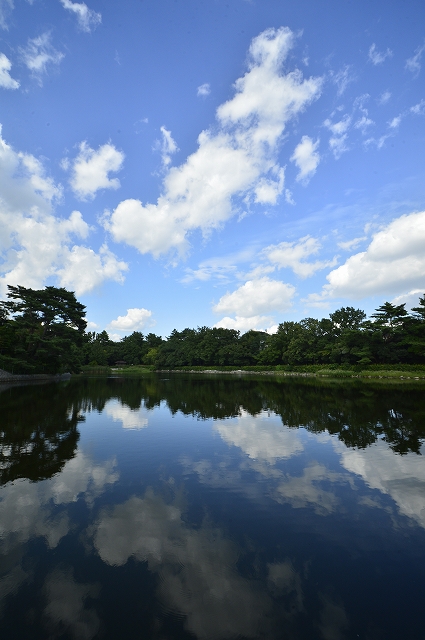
(5, 376)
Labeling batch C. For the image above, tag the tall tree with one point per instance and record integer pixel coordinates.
(48, 328)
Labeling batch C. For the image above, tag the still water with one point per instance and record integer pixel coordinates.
(212, 507)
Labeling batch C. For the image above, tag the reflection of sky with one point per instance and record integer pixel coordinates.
(261, 437)
(197, 567)
(129, 418)
(401, 477)
(249, 467)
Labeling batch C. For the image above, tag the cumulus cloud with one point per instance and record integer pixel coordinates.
(413, 64)
(34, 243)
(256, 297)
(236, 158)
(292, 255)
(306, 158)
(87, 18)
(378, 57)
(6, 80)
(203, 90)
(363, 124)
(242, 324)
(90, 170)
(39, 54)
(134, 320)
(84, 269)
(6, 7)
(393, 263)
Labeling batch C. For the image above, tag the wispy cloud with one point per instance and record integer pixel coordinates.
(384, 97)
(39, 54)
(203, 90)
(343, 78)
(6, 6)
(378, 57)
(413, 64)
(87, 18)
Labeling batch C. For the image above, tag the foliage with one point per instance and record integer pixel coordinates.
(41, 331)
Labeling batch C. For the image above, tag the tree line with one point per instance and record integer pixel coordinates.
(44, 331)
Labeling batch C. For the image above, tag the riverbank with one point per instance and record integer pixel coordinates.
(409, 372)
(6, 377)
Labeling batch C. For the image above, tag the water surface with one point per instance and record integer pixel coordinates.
(194, 506)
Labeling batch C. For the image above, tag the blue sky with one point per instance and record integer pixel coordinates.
(232, 163)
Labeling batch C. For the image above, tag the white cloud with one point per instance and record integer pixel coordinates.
(87, 18)
(34, 243)
(413, 64)
(242, 324)
(203, 90)
(84, 269)
(410, 299)
(378, 57)
(91, 168)
(6, 80)
(394, 262)
(395, 122)
(306, 158)
(232, 160)
(337, 142)
(363, 123)
(129, 418)
(167, 147)
(134, 320)
(384, 97)
(292, 255)
(342, 79)
(418, 109)
(39, 54)
(256, 297)
(6, 7)
(348, 245)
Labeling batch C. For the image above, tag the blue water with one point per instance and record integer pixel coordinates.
(203, 507)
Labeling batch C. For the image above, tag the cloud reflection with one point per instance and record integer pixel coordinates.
(400, 477)
(261, 437)
(129, 418)
(197, 567)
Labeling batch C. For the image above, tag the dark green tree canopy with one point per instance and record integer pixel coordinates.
(42, 330)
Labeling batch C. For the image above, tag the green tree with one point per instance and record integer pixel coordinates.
(47, 327)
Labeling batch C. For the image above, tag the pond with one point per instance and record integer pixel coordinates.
(181, 506)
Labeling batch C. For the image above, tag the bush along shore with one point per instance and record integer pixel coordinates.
(44, 332)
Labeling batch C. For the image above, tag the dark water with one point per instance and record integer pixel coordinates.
(177, 507)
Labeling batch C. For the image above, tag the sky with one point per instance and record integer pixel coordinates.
(230, 163)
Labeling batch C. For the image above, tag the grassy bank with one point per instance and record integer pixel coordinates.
(320, 370)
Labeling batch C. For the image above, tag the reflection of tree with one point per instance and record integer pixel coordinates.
(38, 432)
(358, 414)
